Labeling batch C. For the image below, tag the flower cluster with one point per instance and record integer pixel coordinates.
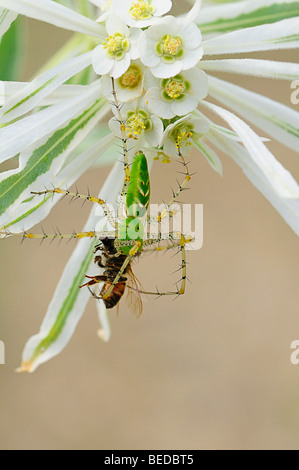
(153, 59)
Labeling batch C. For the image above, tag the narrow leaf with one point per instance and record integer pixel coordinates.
(280, 179)
(280, 35)
(32, 94)
(245, 14)
(254, 67)
(287, 208)
(278, 120)
(69, 301)
(55, 14)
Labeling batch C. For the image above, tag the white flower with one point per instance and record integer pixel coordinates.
(178, 95)
(129, 86)
(171, 46)
(141, 125)
(182, 133)
(141, 13)
(114, 55)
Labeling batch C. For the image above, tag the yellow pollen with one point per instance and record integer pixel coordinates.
(141, 10)
(175, 89)
(172, 45)
(112, 43)
(182, 137)
(128, 78)
(135, 126)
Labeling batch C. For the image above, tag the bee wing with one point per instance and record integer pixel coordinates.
(133, 300)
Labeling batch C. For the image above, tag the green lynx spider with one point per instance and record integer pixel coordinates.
(127, 239)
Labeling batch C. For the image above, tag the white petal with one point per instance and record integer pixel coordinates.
(191, 35)
(192, 58)
(199, 81)
(157, 105)
(120, 66)
(135, 35)
(181, 107)
(101, 63)
(147, 51)
(162, 7)
(154, 137)
(164, 70)
(115, 25)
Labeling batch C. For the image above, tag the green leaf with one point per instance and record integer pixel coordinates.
(12, 51)
(43, 157)
(64, 312)
(256, 17)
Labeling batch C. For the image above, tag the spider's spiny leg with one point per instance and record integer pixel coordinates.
(124, 141)
(59, 236)
(167, 211)
(182, 244)
(157, 239)
(77, 195)
(183, 267)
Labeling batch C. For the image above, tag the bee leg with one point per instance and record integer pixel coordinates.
(94, 280)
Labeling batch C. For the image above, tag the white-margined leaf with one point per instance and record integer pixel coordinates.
(8, 89)
(278, 120)
(287, 208)
(33, 93)
(254, 67)
(281, 180)
(69, 302)
(6, 19)
(55, 14)
(210, 155)
(245, 14)
(32, 128)
(40, 166)
(280, 35)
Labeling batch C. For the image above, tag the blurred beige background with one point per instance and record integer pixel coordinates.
(210, 370)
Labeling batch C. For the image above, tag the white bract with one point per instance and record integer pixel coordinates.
(141, 124)
(182, 133)
(178, 95)
(161, 68)
(141, 13)
(114, 55)
(171, 46)
(128, 86)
